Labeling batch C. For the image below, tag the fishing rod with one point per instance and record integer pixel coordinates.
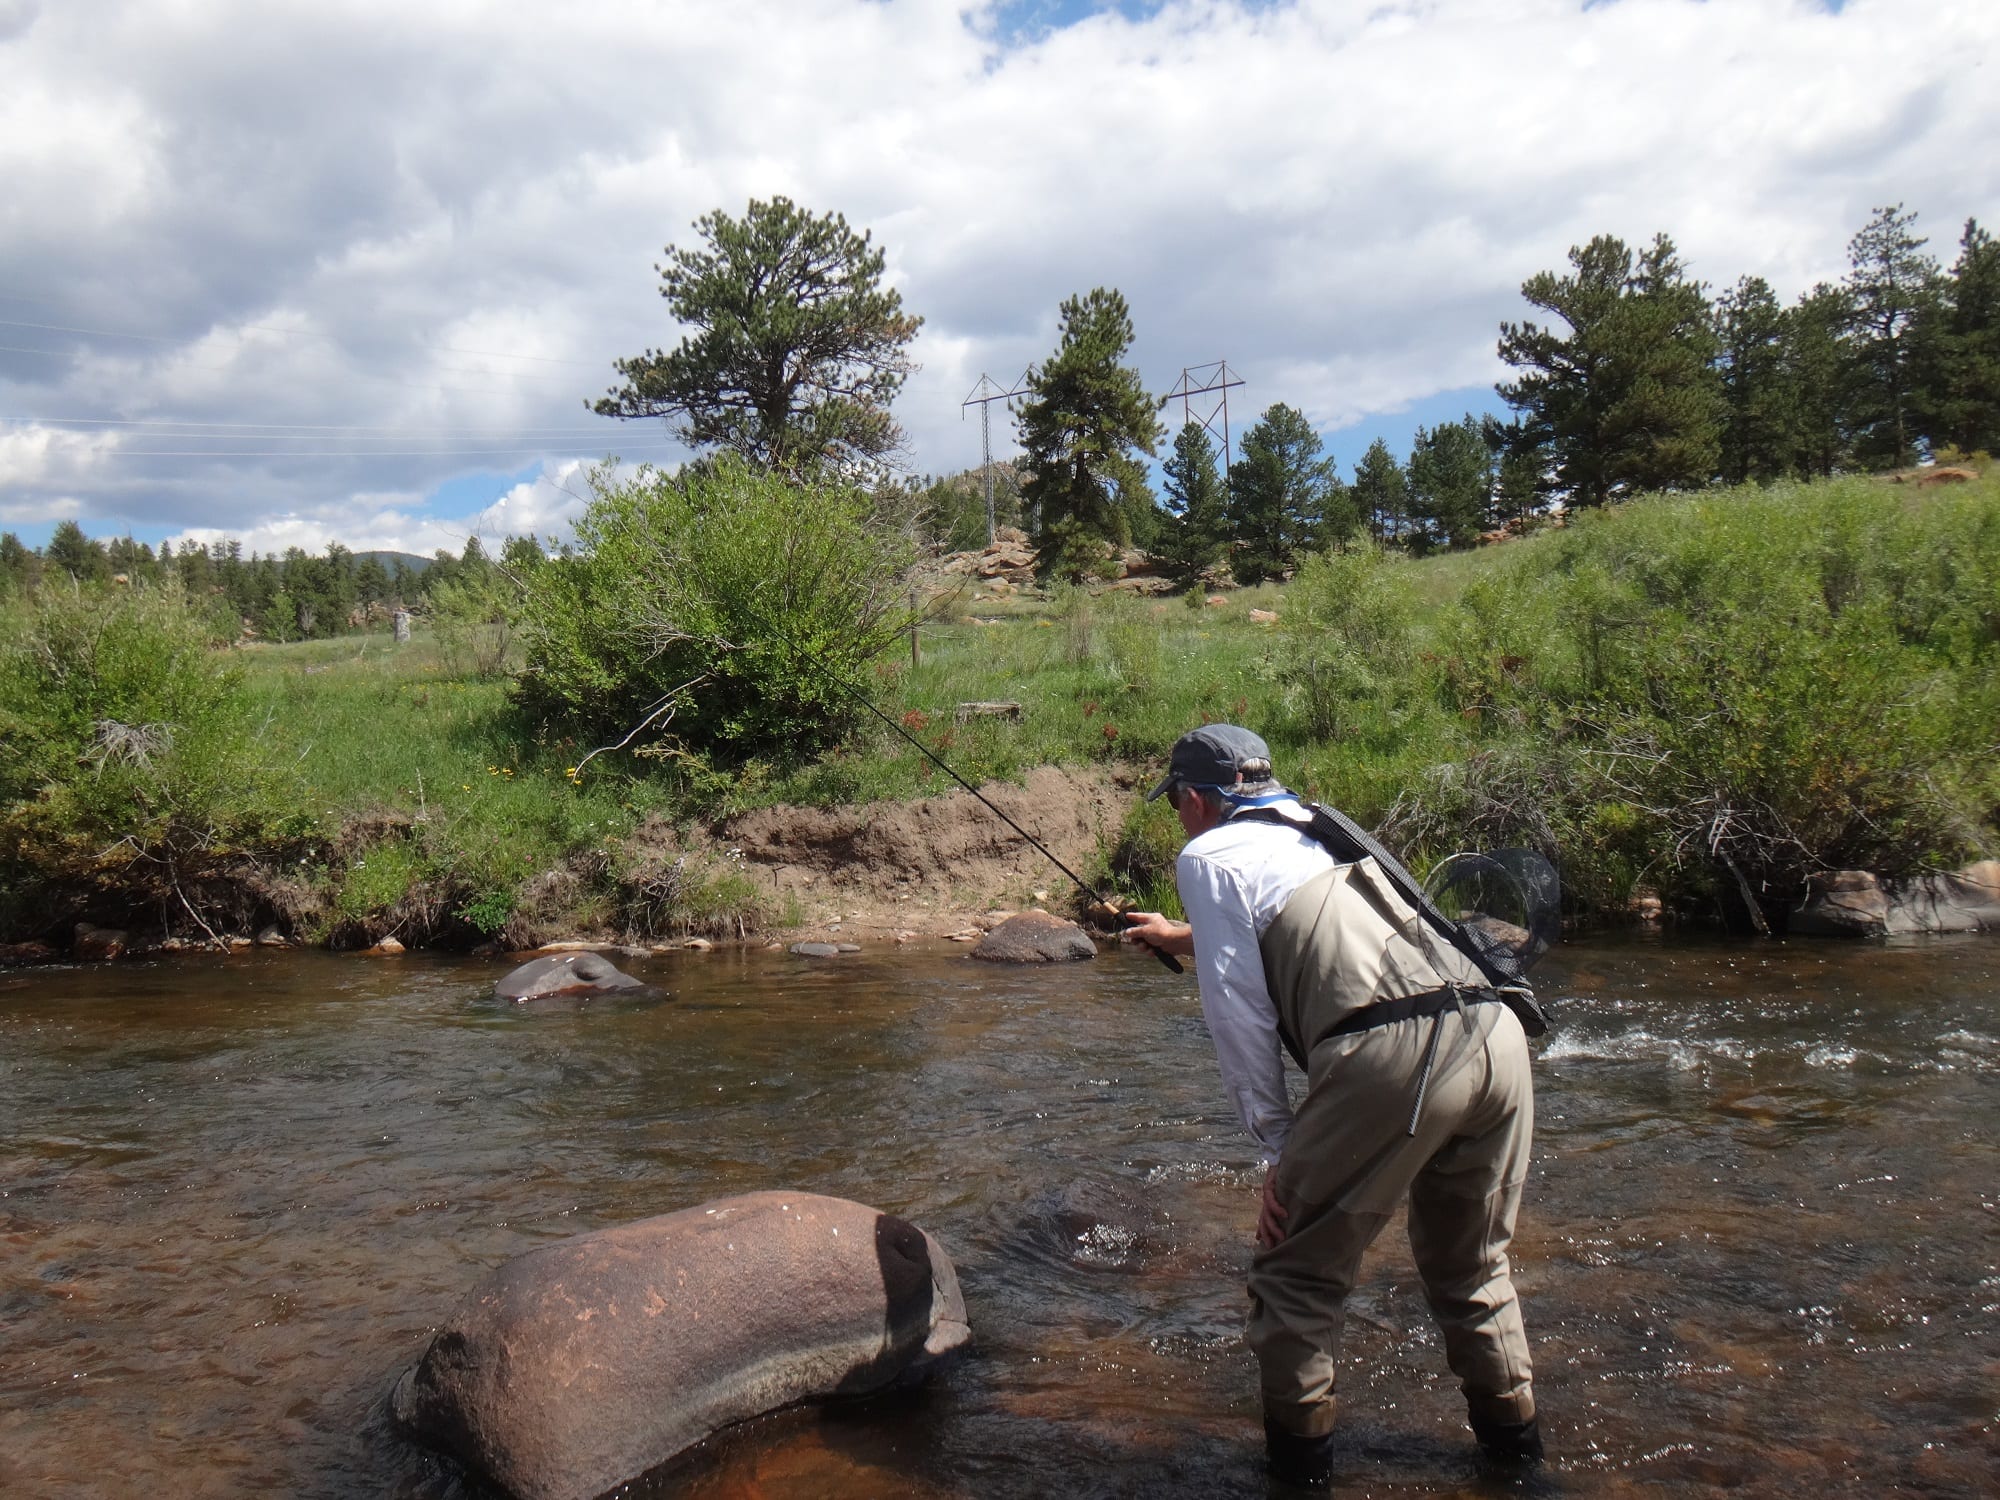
(1081, 884)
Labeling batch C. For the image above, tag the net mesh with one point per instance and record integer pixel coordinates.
(1507, 902)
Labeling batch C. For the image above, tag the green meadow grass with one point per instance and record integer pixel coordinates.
(1820, 662)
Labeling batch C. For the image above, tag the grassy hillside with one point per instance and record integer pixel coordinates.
(1693, 694)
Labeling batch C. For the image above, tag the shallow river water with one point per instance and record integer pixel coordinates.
(1761, 1248)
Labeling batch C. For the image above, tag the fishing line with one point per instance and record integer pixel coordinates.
(1077, 880)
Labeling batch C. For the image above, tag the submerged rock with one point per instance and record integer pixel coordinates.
(582, 1365)
(1035, 937)
(97, 944)
(816, 950)
(1099, 1224)
(565, 974)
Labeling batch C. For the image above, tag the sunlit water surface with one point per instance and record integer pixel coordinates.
(236, 1195)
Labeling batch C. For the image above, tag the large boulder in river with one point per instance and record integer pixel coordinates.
(565, 974)
(584, 1364)
(1854, 903)
(1035, 937)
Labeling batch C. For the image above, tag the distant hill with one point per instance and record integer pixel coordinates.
(389, 560)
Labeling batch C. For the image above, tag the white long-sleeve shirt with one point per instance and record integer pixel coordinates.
(1234, 880)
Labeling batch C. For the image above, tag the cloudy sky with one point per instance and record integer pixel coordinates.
(352, 269)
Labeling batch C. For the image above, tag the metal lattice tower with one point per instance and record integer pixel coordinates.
(1215, 380)
(983, 396)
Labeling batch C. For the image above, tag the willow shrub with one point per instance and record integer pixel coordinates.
(1735, 691)
(124, 736)
(724, 611)
(1349, 657)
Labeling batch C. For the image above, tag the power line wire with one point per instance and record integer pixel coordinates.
(297, 333)
(279, 429)
(340, 452)
(217, 364)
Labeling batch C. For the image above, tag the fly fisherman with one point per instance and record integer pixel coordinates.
(1328, 961)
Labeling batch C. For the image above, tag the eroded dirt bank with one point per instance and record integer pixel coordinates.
(930, 866)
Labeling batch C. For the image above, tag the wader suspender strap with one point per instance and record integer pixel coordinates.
(1347, 841)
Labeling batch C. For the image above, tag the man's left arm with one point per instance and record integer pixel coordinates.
(1235, 1001)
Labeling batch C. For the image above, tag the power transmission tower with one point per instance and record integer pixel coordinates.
(983, 396)
(1215, 380)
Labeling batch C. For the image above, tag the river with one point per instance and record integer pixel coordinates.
(1761, 1247)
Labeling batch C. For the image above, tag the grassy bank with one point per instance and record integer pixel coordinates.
(1701, 695)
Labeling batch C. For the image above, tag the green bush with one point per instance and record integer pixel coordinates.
(1748, 687)
(473, 617)
(722, 609)
(124, 738)
(1348, 643)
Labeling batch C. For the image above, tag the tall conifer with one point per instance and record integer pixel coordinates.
(1081, 432)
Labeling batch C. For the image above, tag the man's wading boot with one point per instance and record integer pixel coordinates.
(1303, 1462)
(1510, 1445)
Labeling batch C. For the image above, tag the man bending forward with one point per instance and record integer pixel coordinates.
(1330, 962)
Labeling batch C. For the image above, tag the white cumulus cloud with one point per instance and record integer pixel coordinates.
(264, 263)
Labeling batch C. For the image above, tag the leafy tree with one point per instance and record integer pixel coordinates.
(521, 555)
(474, 617)
(1626, 400)
(1195, 535)
(1967, 398)
(1279, 494)
(1451, 482)
(1081, 429)
(797, 348)
(1382, 491)
(279, 619)
(1891, 284)
(1757, 400)
(19, 567)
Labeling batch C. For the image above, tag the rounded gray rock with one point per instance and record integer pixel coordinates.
(1035, 937)
(565, 974)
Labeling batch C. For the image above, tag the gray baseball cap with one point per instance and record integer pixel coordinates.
(1215, 755)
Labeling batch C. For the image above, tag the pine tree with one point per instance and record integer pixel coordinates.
(1278, 494)
(1382, 493)
(1967, 398)
(1194, 534)
(1818, 379)
(133, 559)
(196, 572)
(1451, 483)
(1892, 285)
(1521, 480)
(371, 581)
(797, 348)
(1081, 429)
(76, 554)
(1758, 422)
(1627, 399)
